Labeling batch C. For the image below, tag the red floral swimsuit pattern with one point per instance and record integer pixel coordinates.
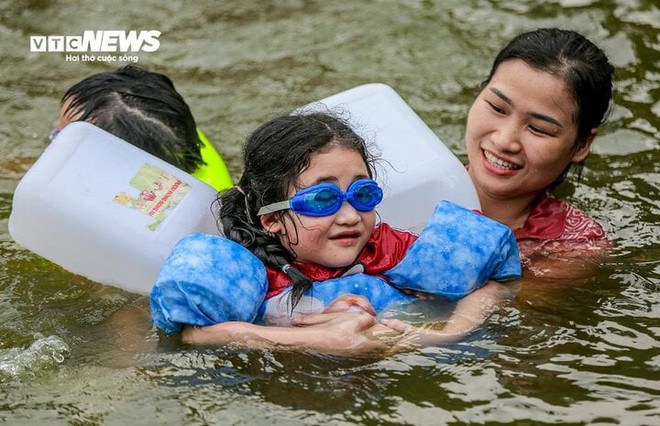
(555, 226)
(554, 219)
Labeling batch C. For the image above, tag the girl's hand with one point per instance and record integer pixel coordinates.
(349, 333)
(345, 322)
(350, 303)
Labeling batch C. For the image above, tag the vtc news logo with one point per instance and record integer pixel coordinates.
(98, 41)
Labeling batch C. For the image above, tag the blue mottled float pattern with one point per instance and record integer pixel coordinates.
(207, 280)
(457, 252)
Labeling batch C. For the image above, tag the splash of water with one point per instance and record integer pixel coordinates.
(43, 355)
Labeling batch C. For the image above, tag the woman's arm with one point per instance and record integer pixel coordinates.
(562, 262)
(470, 312)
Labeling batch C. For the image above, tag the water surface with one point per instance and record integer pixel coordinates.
(77, 352)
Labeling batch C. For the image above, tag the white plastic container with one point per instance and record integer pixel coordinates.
(104, 209)
(417, 170)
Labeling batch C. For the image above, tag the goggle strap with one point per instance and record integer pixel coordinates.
(275, 207)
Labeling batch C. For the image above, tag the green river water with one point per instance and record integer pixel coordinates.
(586, 352)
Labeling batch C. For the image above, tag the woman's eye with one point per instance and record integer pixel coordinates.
(539, 131)
(495, 108)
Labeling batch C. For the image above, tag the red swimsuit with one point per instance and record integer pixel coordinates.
(554, 219)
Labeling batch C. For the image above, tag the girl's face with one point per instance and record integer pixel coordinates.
(333, 241)
(521, 132)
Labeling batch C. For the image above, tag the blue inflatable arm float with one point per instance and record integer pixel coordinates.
(207, 279)
(456, 253)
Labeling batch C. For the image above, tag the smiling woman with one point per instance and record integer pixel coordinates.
(537, 115)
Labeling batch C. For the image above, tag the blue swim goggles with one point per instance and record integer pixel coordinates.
(325, 199)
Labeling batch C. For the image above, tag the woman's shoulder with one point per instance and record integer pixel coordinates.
(553, 218)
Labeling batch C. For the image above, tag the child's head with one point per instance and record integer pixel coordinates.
(141, 107)
(295, 153)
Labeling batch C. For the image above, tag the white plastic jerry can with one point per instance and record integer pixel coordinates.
(104, 209)
(416, 169)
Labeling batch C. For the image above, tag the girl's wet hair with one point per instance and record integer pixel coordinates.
(143, 108)
(574, 59)
(274, 156)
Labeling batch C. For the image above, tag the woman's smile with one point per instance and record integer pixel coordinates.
(498, 165)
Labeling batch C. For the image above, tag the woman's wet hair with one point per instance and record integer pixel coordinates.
(574, 59)
(274, 156)
(141, 107)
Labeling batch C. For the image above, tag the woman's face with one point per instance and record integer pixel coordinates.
(336, 240)
(521, 132)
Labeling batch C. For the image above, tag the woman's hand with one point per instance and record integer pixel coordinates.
(469, 313)
(410, 336)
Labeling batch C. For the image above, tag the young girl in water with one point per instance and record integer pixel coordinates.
(314, 162)
(305, 207)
